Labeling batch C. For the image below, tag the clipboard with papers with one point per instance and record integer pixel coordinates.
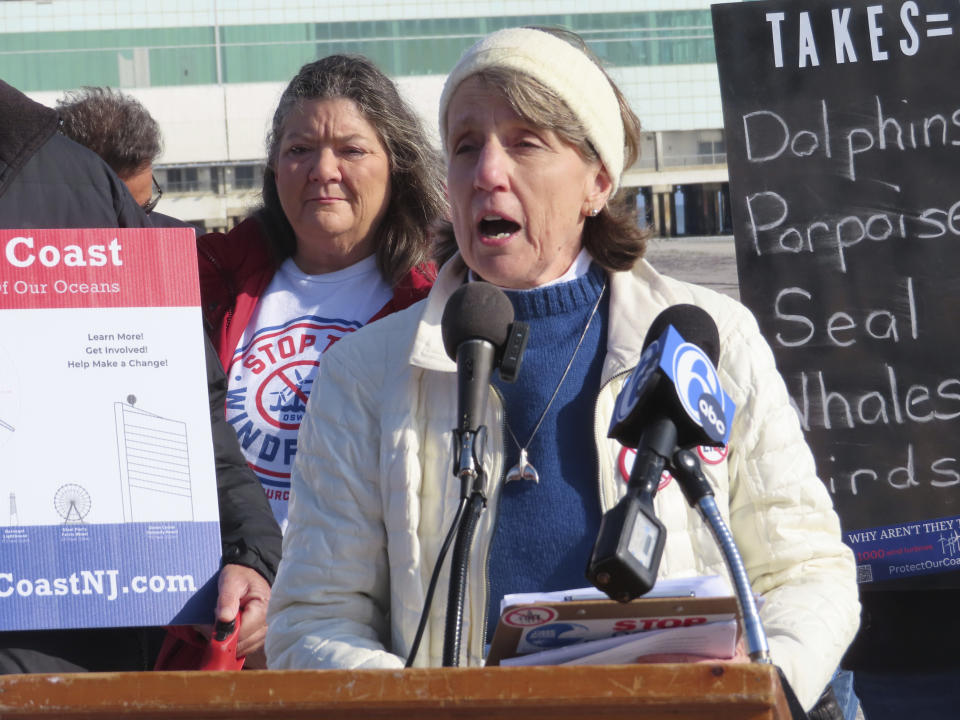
(696, 616)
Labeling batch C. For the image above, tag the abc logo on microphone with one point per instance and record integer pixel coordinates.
(699, 391)
(674, 373)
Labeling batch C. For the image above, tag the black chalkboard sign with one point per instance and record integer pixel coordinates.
(842, 124)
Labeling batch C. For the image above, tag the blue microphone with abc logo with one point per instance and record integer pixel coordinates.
(672, 399)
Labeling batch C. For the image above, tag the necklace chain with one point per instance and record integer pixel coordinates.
(583, 335)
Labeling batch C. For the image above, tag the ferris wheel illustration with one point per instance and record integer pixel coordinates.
(72, 503)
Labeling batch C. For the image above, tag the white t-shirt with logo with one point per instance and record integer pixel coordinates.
(273, 369)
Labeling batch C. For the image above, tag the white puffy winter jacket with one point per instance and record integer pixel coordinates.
(374, 494)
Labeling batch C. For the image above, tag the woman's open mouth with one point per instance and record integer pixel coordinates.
(496, 227)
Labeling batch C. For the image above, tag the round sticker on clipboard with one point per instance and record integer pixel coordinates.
(529, 616)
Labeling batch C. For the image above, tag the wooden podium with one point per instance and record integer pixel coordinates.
(702, 690)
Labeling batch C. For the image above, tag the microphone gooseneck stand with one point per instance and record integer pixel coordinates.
(700, 496)
(472, 489)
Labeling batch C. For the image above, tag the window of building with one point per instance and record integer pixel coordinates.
(216, 179)
(157, 57)
(712, 152)
(244, 177)
(182, 180)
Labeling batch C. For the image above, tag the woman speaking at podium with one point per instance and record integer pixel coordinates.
(536, 138)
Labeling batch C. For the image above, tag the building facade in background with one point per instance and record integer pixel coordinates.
(211, 72)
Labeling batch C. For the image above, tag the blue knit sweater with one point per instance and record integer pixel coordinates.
(544, 532)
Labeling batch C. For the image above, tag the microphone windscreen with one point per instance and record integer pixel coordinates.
(694, 325)
(477, 310)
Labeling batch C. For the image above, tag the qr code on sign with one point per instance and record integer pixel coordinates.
(864, 573)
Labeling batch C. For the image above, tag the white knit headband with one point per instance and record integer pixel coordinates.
(564, 69)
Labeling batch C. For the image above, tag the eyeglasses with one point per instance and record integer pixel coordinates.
(155, 195)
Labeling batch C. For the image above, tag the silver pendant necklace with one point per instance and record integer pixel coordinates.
(524, 469)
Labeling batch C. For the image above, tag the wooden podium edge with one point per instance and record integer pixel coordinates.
(714, 690)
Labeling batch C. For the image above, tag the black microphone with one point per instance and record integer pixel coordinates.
(478, 332)
(675, 390)
(672, 398)
(475, 328)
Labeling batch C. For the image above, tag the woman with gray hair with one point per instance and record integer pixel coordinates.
(537, 137)
(350, 191)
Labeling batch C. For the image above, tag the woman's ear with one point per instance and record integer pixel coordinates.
(598, 192)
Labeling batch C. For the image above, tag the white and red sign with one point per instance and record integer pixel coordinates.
(109, 514)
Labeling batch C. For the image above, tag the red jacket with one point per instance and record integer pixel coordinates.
(235, 270)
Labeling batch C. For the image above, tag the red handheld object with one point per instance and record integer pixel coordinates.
(221, 651)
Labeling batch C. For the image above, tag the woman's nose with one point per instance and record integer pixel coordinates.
(325, 167)
(491, 171)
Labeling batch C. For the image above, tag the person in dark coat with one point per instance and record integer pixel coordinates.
(49, 181)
